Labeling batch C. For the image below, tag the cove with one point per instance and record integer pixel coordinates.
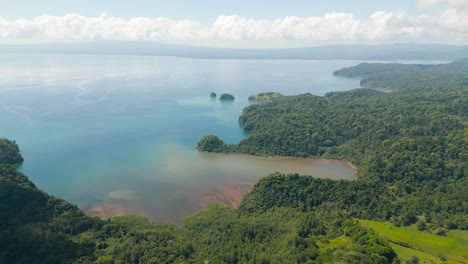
(192, 180)
(117, 134)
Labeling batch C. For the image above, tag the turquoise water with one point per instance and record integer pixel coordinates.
(122, 130)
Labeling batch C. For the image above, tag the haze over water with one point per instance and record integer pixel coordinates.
(117, 134)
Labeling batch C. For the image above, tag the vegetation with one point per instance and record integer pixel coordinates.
(426, 245)
(410, 198)
(9, 152)
(210, 143)
(353, 199)
(265, 97)
(213, 95)
(282, 235)
(410, 77)
(38, 228)
(226, 96)
(409, 146)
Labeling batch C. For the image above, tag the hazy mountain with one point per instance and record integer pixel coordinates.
(406, 51)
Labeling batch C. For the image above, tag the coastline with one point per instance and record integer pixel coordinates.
(230, 192)
(310, 160)
(354, 168)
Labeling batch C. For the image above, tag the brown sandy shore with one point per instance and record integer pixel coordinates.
(229, 193)
(113, 209)
(108, 210)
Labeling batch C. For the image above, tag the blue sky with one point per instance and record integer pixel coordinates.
(205, 11)
(241, 23)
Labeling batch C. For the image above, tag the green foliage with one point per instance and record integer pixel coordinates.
(9, 152)
(226, 96)
(133, 239)
(424, 244)
(354, 199)
(211, 143)
(410, 77)
(35, 227)
(409, 145)
(265, 97)
(281, 235)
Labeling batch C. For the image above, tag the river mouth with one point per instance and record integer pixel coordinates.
(195, 179)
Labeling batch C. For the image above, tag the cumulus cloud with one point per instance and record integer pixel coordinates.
(450, 26)
(104, 27)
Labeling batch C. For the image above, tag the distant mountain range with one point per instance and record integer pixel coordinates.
(405, 51)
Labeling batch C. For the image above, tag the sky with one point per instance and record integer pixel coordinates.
(241, 23)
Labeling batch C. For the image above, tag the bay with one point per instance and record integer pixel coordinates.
(117, 134)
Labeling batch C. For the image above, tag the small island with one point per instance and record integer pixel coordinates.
(213, 95)
(265, 97)
(227, 97)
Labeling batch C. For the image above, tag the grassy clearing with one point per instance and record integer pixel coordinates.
(408, 240)
(405, 253)
(333, 243)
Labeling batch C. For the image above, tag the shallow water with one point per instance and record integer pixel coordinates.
(185, 181)
(117, 134)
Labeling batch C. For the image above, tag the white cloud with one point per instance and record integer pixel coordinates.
(450, 26)
(77, 27)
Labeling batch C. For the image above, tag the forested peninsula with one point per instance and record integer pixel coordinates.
(409, 146)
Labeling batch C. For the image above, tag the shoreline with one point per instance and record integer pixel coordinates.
(348, 164)
(354, 168)
(226, 191)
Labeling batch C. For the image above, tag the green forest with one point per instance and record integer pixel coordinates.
(9, 152)
(38, 228)
(265, 97)
(409, 147)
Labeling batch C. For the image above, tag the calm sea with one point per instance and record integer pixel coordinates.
(117, 134)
